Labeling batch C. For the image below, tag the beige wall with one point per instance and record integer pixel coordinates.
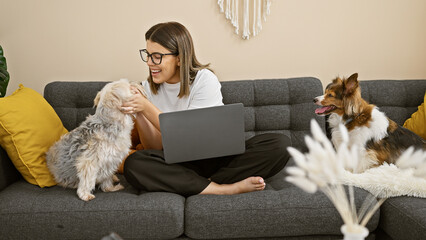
(98, 40)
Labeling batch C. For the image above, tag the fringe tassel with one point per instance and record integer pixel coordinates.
(257, 17)
(228, 9)
(246, 20)
(235, 17)
(261, 9)
(220, 3)
(266, 9)
(254, 17)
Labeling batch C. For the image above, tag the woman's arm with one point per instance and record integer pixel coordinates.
(149, 128)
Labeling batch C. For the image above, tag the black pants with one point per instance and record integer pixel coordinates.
(265, 156)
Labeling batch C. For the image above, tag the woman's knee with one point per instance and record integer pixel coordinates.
(135, 162)
(138, 167)
(272, 144)
(280, 153)
(280, 143)
(281, 140)
(130, 164)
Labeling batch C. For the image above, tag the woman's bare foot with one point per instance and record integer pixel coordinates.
(249, 184)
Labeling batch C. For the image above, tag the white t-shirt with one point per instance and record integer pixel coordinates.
(204, 92)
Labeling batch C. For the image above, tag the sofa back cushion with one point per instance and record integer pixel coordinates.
(271, 105)
(72, 101)
(397, 98)
(276, 105)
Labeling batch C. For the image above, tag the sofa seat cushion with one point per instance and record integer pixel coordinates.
(404, 218)
(280, 210)
(30, 212)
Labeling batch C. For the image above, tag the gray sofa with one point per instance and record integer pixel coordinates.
(281, 211)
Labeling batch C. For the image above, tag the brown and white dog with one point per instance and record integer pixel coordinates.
(378, 138)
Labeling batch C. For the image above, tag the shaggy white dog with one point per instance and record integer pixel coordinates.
(91, 153)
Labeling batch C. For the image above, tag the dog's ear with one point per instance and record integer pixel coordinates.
(337, 80)
(97, 98)
(350, 85)
(111, 100)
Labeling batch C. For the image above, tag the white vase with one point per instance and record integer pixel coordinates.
(354, 232)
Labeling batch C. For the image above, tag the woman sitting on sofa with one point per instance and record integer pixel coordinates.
(177, 81)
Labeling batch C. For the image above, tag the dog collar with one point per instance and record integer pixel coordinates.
(349, 120)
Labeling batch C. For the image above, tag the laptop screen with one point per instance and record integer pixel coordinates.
(203, 133)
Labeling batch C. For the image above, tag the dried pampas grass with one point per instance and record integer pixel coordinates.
(325, 169)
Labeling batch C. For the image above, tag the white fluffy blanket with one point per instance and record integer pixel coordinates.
(387, 181)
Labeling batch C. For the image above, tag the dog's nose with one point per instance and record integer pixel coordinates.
(315, 100)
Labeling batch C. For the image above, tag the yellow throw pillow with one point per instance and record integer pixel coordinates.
(28, 127)
(417, 122)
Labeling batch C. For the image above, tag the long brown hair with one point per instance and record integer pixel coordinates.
(176, 38)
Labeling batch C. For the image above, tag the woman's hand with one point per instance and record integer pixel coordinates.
(136, 103)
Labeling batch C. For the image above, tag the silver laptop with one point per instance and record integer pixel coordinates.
(203, 133)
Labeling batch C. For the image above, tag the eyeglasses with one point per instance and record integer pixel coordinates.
(156, 57)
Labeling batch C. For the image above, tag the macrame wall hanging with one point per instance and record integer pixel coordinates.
(253, 11)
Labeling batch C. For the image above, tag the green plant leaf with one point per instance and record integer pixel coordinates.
(4, 75)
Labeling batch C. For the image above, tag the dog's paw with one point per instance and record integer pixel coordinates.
(117, 187)
(86, 197)
(115, 178)
(112, 188)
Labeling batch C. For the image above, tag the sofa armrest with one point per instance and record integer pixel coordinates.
(8, 172)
